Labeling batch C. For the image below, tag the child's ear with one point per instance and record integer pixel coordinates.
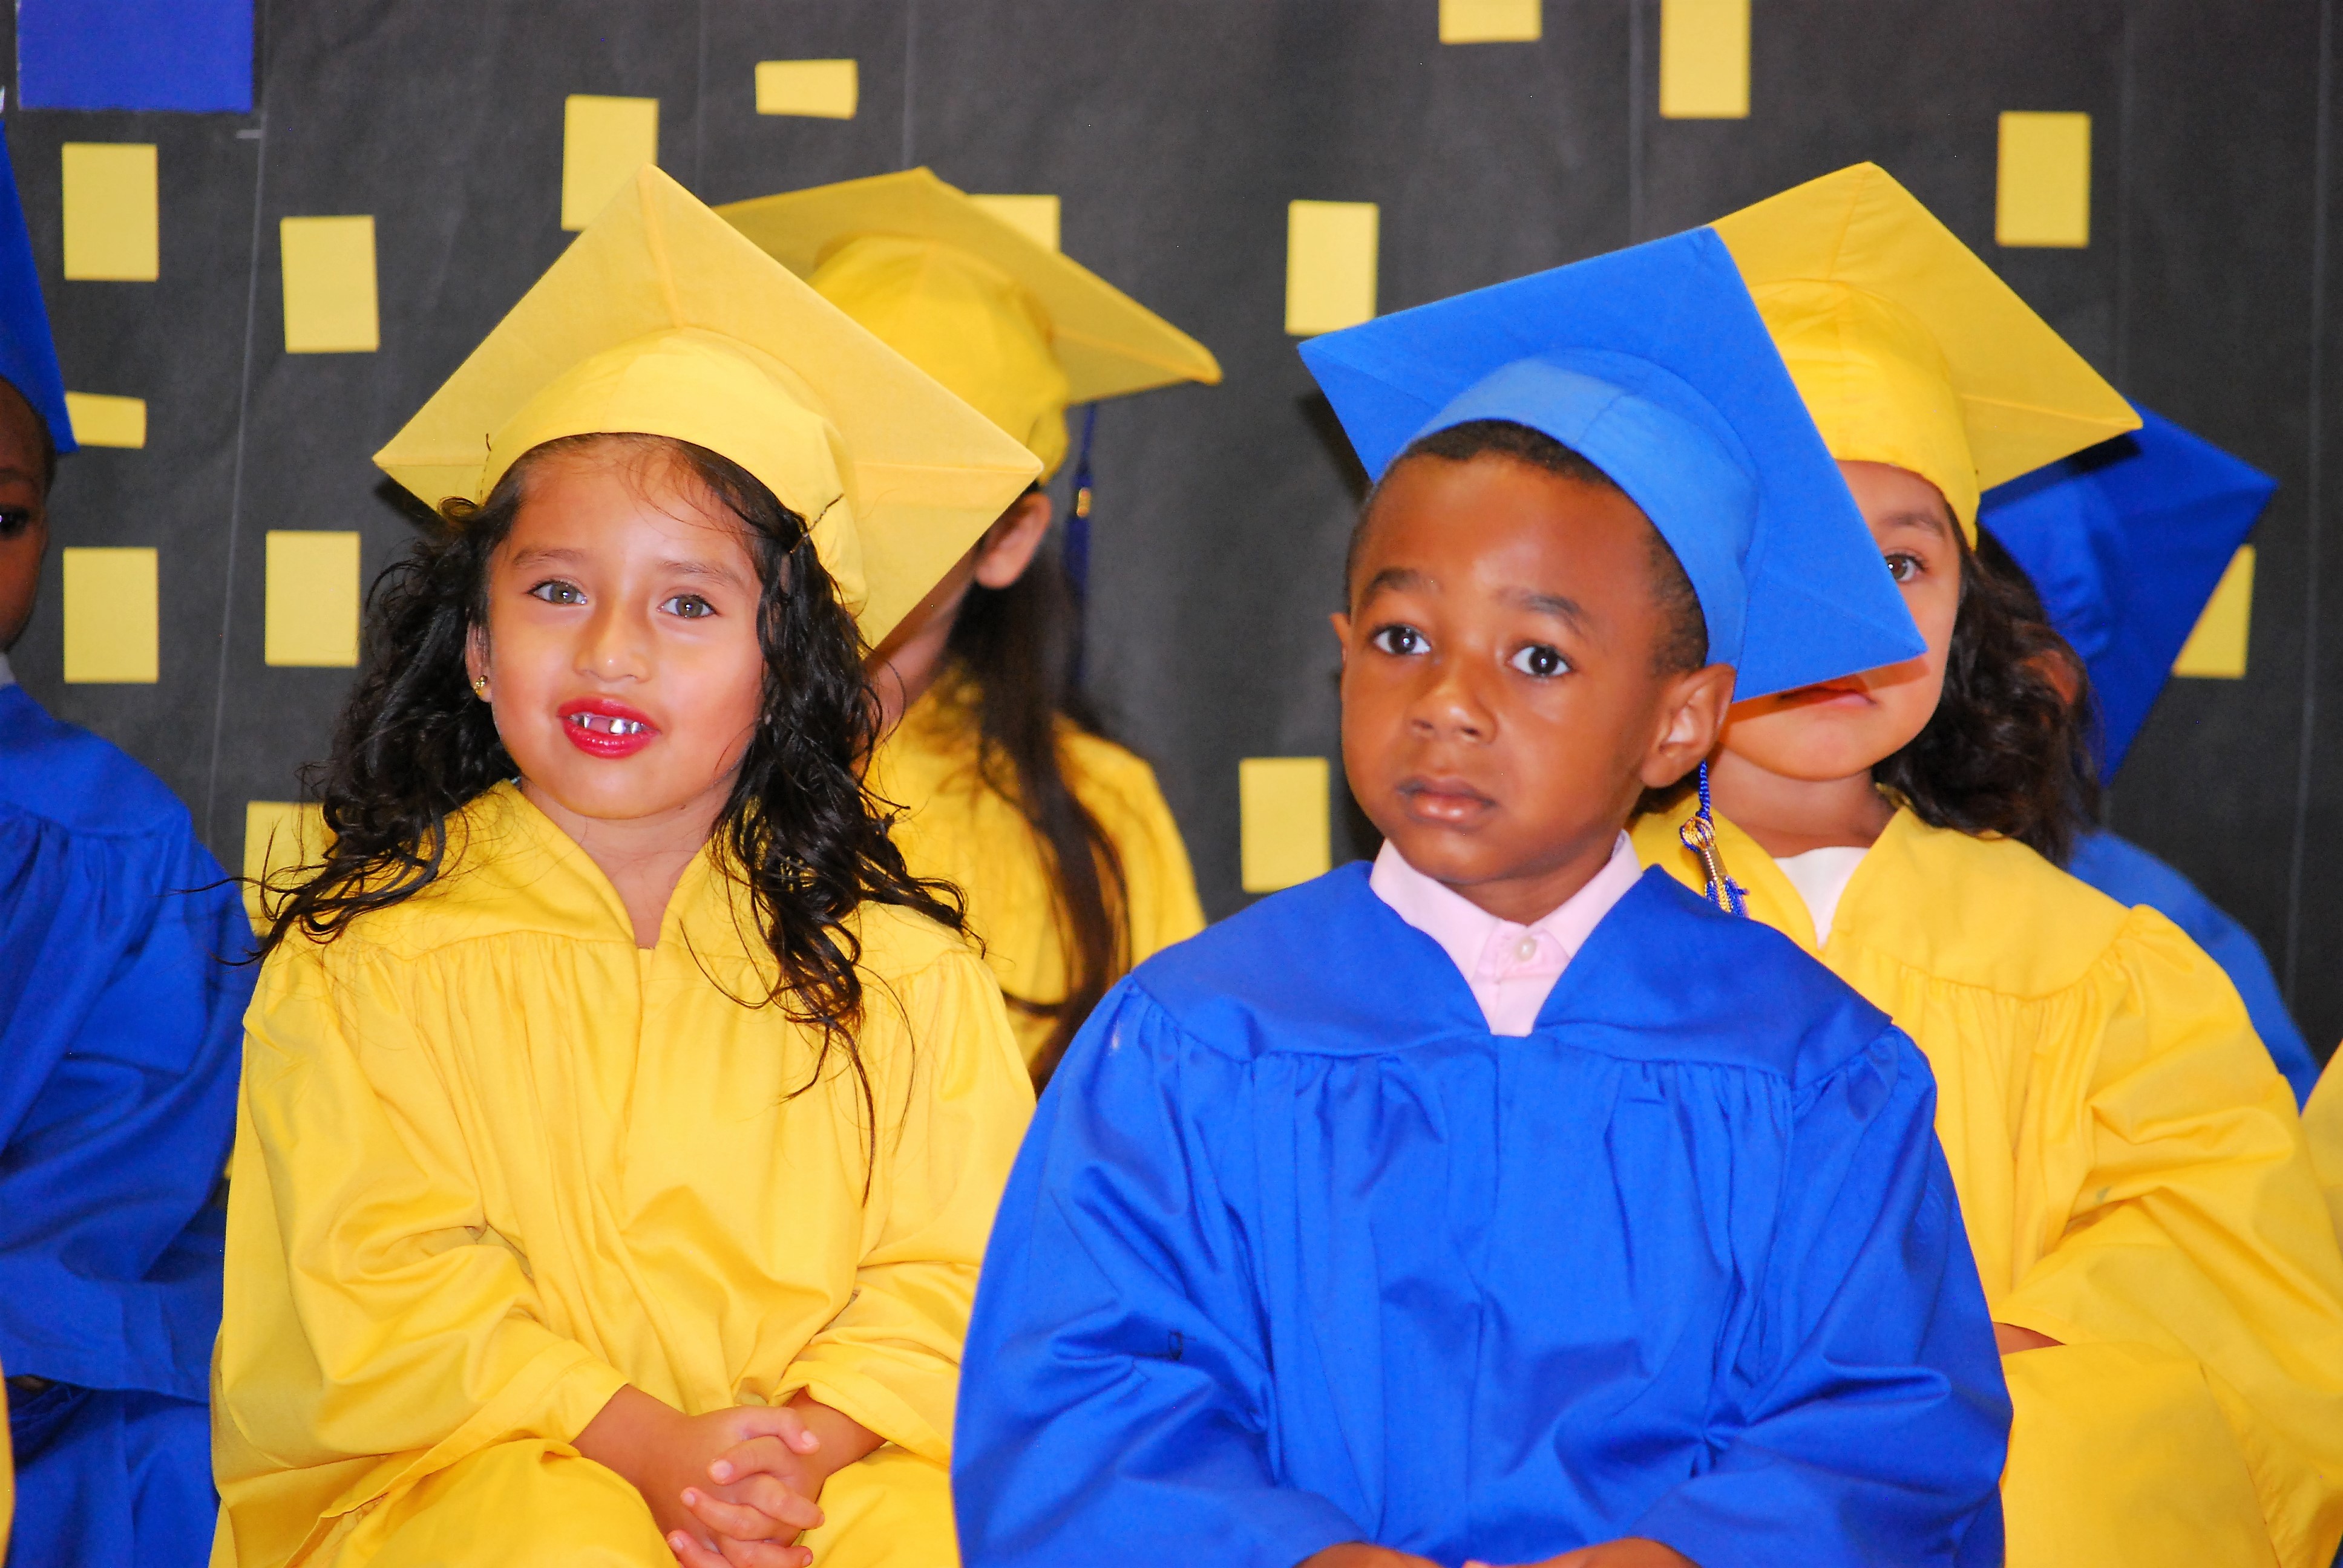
(1341, 625)
(476, 657)
(1692, 714)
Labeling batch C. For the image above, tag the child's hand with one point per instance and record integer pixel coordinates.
(1632, 1552)
(766, 1481)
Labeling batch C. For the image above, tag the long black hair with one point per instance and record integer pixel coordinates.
(413, 745)
(1017, 646)
(2009, 750)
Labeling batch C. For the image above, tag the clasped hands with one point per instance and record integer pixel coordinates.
(732, 1488)
(1627, 1553)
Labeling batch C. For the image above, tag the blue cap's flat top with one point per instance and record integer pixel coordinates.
(28, 355)
(1652, 365)
(2124, 543)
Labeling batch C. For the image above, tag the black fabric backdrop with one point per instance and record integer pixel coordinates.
(1175, 131)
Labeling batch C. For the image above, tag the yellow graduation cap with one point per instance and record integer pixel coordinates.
(1908, 349)
(661, 320)
(1013, 325)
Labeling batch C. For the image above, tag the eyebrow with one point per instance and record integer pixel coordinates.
(562, 555)
(1397, 579)
(1567, 610)
(1916, 517)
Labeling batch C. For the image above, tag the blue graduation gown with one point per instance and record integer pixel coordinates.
(119, 1038)
(1297, 1252)
(2130, 875)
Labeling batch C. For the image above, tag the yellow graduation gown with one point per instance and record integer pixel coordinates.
(2135, 1184)
(493, 1162)
(2322, 1126)
(959, 827)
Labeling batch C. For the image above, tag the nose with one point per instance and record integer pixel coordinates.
(1450, 705)
(615, 644)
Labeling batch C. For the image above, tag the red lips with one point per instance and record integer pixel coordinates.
(605, 727)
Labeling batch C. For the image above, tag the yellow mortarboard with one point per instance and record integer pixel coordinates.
(1017, 328)
(661, 320)
(1907, 347)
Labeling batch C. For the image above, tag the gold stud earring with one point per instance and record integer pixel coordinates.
(481, 685)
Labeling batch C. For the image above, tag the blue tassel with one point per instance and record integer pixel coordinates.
(1699, 836)
(1077, 555)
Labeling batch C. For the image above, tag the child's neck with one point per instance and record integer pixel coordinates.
(1791, 816)
(644, 857)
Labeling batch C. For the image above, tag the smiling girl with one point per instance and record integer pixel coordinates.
(622, 1121)
(2165, 1291)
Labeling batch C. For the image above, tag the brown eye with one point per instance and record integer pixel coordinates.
(1404, 640)
(1541, 659)
(553, 590)
(1904, 567)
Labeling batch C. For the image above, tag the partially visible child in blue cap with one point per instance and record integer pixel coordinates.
(1498, 1203)
(120, 1005)
(2124, 544)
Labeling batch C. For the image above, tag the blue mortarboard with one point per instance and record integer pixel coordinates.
(28, 355)
(2124, 542)
(1652, 363)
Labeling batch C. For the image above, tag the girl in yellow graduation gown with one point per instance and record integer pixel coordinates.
(2154, 1248)
(1058, 838)
(621, 1122)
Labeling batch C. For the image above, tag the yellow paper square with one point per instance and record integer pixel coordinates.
(2043, 193)
(311, 615)
(329, 285)
(112, 232)
(100, 420)
(821, 89)
(603, 141)
(1705, 59)
(1282, 804)
(110, 616)
(2215, 650)
(1330, 265)
(279, 836)
(1037, 216)
(1492, 21)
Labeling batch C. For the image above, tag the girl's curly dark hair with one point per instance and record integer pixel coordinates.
(2009, 751)
(413, 745)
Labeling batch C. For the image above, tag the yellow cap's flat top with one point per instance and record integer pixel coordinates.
(661, 318)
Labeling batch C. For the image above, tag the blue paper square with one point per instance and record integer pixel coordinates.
(193, 54)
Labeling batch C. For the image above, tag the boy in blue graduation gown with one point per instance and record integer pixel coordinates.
(119, 1030)
(2124, 543)
(1497, 1203)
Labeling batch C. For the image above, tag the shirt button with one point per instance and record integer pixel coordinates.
(1525, 949)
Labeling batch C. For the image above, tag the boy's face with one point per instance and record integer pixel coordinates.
(24, 513)
(1501, 702)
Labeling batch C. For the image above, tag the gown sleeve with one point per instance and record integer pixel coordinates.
(1116, 1403)
(119, 1000)
(377, 1330)
(1871, 1410)
(2197, 1251)
(891, 1359)
(2322, 1128)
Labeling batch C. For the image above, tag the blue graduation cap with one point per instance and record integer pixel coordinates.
(28, 355)
(1652, 363)
(2124, 542)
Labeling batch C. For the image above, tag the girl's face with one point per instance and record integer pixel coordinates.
(622, 655)
(1846, 727)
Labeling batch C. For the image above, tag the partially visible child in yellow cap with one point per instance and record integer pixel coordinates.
(622, 1121)
(2167, 1291)
(1073, 866)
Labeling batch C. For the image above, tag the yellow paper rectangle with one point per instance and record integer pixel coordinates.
(603, 141)
(329, 285)
(1330, 265)
(1036, 215)
(112, 230)
(311, 615)
(111, 614)
(1286, 834)
(1705, 59)
(2215, 650)
(1492, 21)
(2044, 195)
(820, 89)
(100, 420)
(279, 837)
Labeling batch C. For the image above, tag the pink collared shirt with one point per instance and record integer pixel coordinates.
(1512, 969)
